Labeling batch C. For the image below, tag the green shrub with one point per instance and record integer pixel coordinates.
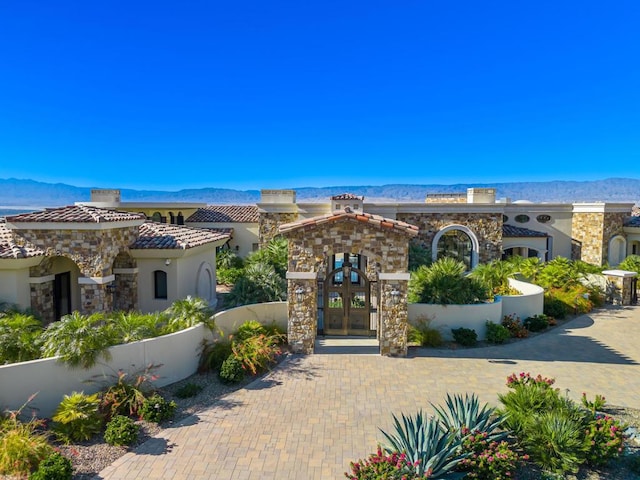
(497, 333)
(135, 326)
(515, 327)
(121, 431)
(19, 337)
(78, 417)
(229, 276)
(231, 370)
(187, 313)
(594, 405)
(214, 354)
(467, 337)
(250, 328)
(554, 307)
(380, 466)
(426, 444)
(424, 334)
(188, 390)
(489, 460)
(157, 409)
(79, 340)
(536, 323)
(604, 439)
(55, 467)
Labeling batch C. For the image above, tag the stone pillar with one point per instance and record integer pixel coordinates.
(394, 315)
(621, 282)
(125, 296)
(42, 298)
(302, 300)
(95, 294)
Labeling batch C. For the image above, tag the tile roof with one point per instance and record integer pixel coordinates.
(9, 249)
(75, 214)
(633, 221)
(165, 236)
(226, 213)
(368, 218)
(347, 196)
(513, 231)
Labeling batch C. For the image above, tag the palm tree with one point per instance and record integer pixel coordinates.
(19, 334)
(187, 313)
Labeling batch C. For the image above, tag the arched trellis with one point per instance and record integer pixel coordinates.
(475, 245)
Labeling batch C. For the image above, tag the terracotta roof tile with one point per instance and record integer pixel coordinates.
(374, 220)
(347, 196)
(10, 250)
(513, 231)
(226, 213)
(633, 221)
(165, 236)
(75, 214)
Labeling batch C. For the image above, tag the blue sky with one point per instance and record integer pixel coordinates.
(284, 94)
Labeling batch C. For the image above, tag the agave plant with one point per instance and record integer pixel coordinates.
(465, 412)
(427, 446)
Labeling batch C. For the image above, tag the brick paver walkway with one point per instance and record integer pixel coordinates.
(314, 414)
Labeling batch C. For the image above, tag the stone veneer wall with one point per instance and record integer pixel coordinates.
(486, 226)
(309, 248)
(42, 301)
(268, 224)
(126, 284)
(591, 233)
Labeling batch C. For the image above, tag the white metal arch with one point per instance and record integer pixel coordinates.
(475, 245)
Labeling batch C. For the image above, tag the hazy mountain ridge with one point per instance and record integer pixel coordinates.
(22, 193)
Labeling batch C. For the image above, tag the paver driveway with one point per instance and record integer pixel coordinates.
(314, 414)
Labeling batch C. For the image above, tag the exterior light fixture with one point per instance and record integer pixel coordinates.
(299, 294)
(167, 262)
(488, 246)
(395, 295)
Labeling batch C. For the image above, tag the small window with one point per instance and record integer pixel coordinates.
(156, 217)
(505, 219)
(180, 218)
(522, 218)
(543, 218)
(160, 284)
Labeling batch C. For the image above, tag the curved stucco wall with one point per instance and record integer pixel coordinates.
(178, 355)
(446, 317)
(228, 321)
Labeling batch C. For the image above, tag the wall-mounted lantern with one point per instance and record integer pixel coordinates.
(299, 292)
(395, 295)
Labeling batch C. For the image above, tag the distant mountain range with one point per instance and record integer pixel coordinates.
(24, 195)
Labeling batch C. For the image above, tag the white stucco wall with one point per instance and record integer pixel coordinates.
(244, 234)
(228, 321)
(14, 287)
(177, 353)
(530, 303)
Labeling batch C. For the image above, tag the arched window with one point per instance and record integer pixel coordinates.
(456, 244)
(160, 284)
(180, 218)
(156, 217)
(617, 250)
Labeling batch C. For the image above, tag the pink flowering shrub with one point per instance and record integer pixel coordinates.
(489, 460)
(380, 466)
(604, 439)
(525, 379)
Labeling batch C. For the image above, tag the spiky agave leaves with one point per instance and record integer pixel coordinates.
(427, 445)
(461, 412)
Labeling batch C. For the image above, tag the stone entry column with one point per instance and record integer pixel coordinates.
(126, 289)
(302, 308)
(95, 294)
(394, 316)
(42, 297)
(621, 281)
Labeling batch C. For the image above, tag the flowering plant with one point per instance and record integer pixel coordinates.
(489, 460)
(604, 438)
(384, 467)
(523, 379)
(598, 402)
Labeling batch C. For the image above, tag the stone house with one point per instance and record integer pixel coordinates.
(94, 259)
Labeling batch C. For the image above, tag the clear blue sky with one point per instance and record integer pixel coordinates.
(282, 94)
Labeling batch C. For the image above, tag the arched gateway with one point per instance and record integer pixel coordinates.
(347, 275)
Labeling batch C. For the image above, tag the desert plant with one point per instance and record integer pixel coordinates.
(250, 328)
(260, 283)
(419, 255)
(497, 333)
(256, 353)
(78, 340)
(465, 413)
(213, 355)
(555, 442)
(55, 467)
(275, 253)
(514, 325)
(188, 390)
(23, 445)
(631, 264)
(19, 337)
(157, 409)
(467, 337)
(229, 276)
(494, 276)
(129, 326)
(226, 259)
(424, 334)
(186, 313)
(604, 439)
(231, 370)
(594, 405)
(78, 417)
(121, 431)
(536, 323)
(426, 444)
(489, 460)
(126, 396)
(382, 466)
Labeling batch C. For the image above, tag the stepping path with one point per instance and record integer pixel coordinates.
(314, 414)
